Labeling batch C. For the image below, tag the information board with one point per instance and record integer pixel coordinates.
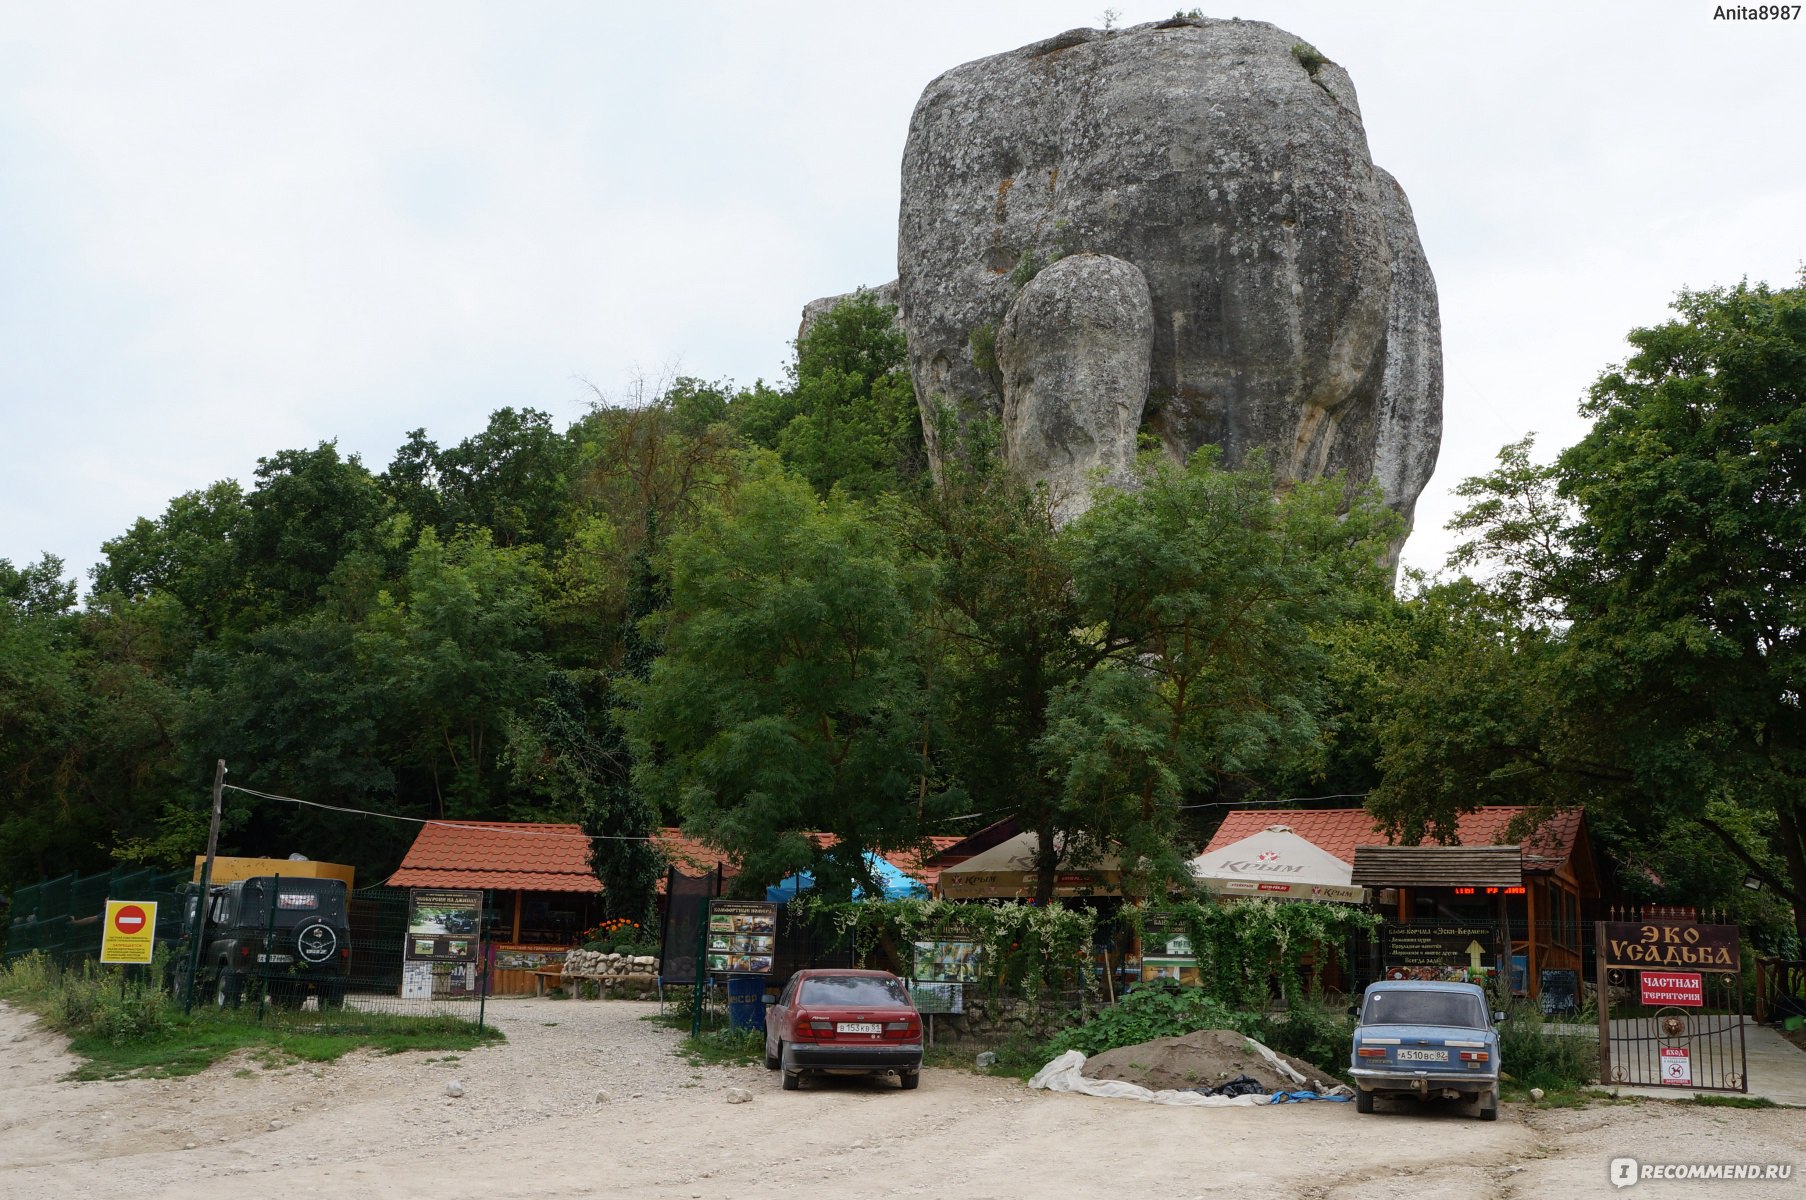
(1436, 945)
(443, 926)
(742, 937)
(1558, 991)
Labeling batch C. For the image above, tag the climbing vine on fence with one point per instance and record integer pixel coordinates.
(1240, 946)
(1028, 948)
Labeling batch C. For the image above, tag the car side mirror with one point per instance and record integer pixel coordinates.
(1354, 1010)
(1497, 1017)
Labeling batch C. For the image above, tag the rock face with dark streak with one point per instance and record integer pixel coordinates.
(1224, 162)
(1072, 358)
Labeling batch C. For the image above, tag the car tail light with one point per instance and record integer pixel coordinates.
(244, 952)
(1370, 1052)
(1475, 1056)
(345, 953)
(896, 1026)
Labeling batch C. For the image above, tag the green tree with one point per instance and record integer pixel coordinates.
(1008, 636)
(1208, 595)
(790, 695)
(190, 553)
(1638, 647)
(849, 417)
(1687, 590)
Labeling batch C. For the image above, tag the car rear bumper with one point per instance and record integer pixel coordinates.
(804, 1056)
(1422, 1082)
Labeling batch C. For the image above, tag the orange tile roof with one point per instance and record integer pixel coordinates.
(499, 854)
(691, 855)
(556, 858)
(1339, 830)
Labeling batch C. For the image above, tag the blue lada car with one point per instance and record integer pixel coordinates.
(1426, 1039)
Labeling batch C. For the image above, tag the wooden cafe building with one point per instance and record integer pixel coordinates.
(543, 893)
(1523, 900)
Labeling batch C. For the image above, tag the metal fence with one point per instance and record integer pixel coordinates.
(61, 919)
(377, 976)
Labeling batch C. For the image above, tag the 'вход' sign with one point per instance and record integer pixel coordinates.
(1670, 988)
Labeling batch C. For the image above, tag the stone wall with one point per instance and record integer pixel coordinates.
(628, 976)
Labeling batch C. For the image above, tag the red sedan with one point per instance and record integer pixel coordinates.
(844, 1020)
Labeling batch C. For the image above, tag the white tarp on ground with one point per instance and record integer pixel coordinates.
(1280, 865)
(1065, 1074)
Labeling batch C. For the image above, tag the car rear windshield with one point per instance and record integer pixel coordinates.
(852, 991)
(1412, 1007)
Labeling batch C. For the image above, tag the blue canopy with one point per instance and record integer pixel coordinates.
(894, 883)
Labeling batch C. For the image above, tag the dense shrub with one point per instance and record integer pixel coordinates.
(85, 1000)
(1315, 1033)
(1534, 1053)
(1151, 1012)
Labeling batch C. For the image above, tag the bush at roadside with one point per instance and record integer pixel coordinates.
(1149, 1012)
(1534, 1053)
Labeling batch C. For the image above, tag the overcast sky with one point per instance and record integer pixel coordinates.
(227, 230)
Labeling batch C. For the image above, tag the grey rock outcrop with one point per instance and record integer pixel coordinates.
(1292, 310)
(1409, 431)
(1072, 360)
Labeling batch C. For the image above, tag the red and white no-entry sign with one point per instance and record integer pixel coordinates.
(130, 932)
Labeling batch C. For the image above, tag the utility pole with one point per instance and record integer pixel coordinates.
(200, 904)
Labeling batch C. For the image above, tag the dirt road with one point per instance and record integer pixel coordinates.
(530, 1124)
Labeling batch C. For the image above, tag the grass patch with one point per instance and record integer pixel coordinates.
(1735, 1101)
(1018, 1057)
(138, 1031)
(724, 1047)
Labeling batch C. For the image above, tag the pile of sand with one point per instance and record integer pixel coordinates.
(1207, 1058)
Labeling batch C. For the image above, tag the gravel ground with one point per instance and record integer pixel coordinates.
(587, 1100)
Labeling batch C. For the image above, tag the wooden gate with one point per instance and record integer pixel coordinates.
(1670, 996)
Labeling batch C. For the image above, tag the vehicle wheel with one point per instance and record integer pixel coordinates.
(228, 989)
(911, 1080)
(332, 994)
(1489, 1106)
(1363, 1101)
(792, 1080)
(774, 1061)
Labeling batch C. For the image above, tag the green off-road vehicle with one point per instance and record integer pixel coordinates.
(290, 935)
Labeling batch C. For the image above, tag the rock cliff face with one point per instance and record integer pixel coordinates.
(1084, 327)
(1227, 264)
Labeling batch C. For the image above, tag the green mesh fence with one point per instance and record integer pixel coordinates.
(254, 962)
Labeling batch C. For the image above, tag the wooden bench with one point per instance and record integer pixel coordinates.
(545, 981)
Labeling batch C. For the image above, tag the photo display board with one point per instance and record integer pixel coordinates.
(742, 937)
(444, 926)
(950, 959)
(1166, 950)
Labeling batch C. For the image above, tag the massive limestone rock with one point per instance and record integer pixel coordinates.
(1072, 360)
(1224, 162)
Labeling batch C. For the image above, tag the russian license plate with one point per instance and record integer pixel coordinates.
(1423, 1056)
(858, 1027)
(270, 958)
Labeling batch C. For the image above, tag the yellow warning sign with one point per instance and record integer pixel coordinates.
(130, 930)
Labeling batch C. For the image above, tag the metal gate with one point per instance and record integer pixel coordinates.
(1670, 1004)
